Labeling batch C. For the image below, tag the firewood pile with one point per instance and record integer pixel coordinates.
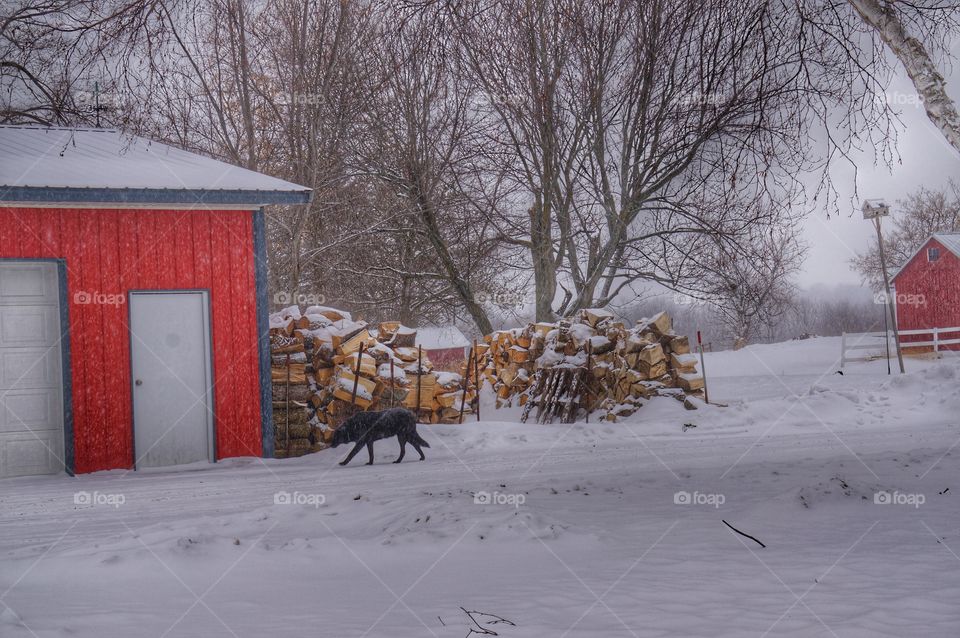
(587, 363)
(326, 367)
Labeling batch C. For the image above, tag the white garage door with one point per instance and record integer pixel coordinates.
(31, 413)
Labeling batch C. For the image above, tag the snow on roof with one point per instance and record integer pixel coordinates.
(951, 241)
(40, 157)
(441, 338)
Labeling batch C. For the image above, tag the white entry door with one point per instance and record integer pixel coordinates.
(31, 385)
(170, 363)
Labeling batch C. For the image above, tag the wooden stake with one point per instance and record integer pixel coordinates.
(476, 379)
(393, 394)
(419, 375)
(356, 379)
(286, 398)
(466, 382)
(703, 369)
(586, 403)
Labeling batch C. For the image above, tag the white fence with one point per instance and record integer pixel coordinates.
(853, 341)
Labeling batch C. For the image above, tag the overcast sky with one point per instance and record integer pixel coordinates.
(925, 160)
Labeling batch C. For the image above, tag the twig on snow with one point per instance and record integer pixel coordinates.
(743, 534)
(480, 629)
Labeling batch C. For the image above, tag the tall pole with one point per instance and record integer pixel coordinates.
(886, 335)
(890, 299)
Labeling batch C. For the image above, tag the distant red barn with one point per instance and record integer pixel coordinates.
(444, 345)
(928, 290)
(133, 303)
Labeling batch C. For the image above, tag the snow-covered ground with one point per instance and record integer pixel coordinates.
(589, 529)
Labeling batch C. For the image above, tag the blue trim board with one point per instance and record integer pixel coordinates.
(67, 398)
(263, 330)
(35, 194)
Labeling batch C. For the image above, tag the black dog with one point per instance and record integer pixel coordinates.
(367, 427)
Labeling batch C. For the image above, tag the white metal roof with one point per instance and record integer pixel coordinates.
(40, 157)
(950, 241)
(441, 338)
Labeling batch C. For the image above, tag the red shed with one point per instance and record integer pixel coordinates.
(446, 346)
(133, 303)
(928, 291)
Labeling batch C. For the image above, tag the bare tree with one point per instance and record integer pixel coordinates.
(632, 132)
(750, 284)
(61, 60)
(421, 133)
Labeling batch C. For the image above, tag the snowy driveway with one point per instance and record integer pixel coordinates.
(594, 530)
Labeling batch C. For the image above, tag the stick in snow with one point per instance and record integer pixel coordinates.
(742, 534)
(481, 630)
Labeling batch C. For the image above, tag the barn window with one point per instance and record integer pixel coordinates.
(933, 254)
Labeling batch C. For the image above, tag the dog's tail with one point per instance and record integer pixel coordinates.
(418, 439)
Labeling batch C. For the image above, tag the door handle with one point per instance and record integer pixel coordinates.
(138, 382)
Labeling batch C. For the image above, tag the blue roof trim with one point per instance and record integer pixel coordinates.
(263, 332)
(69, 455)
(151, 196)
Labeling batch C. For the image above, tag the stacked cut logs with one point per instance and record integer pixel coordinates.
(589, 362)
(294, 377)
(338, 366)
(507, 358)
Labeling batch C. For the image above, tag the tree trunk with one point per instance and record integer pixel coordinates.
(541, 252)
(913, 55)
(459, 283)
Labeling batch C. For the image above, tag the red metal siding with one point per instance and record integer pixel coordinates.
(449, 359)
(928, 294)
(114, 251)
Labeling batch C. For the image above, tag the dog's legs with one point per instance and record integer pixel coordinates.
(353, 452)
(370, 451)
(403, 447)
(416, 446)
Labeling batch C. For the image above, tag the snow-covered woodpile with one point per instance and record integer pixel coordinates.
(326, 367)
(590, 362)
